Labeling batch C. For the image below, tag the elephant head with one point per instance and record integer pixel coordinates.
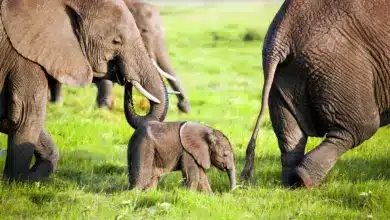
(209, 146)
(149, 23)
(76, 40)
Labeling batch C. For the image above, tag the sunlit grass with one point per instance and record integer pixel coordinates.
(221, 71)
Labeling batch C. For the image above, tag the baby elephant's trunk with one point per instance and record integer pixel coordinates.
(232, 177)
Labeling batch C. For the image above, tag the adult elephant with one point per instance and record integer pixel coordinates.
(72, 41)
(327, 73)
(149, 23)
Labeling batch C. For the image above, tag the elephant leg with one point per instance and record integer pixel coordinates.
(349, 112)
(55, 90)
(190, 172)
(26, 119)
(140, 164)
(204, 185)
(153, 182)
(291, 140)
(317, 163)
(46, 154)
(104, 94)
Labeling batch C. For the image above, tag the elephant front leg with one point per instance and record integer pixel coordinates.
(204, 182)
(46, 155)
(190, 172)
(22, 144)
(27, 109)
(104, 94)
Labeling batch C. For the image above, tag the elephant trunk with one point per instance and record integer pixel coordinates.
(149, 83)
(232, 177)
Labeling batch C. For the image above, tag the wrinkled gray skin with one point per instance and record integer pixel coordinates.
(72, 41)
(327, 73)
(157, 148)
(150, 26)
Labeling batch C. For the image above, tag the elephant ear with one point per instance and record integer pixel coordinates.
(194, 138)
(43, 31)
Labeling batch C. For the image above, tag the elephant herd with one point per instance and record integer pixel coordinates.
(326, 74)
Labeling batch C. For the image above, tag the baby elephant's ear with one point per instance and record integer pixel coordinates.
(193, 137)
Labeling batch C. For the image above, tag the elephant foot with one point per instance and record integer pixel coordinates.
(105, 103)
(184, 106)
(310, 177)
(290, 179)
(56, 100)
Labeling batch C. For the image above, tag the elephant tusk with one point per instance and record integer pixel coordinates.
(164, 74)
(3, 151)
(173, 92)
(143, 91)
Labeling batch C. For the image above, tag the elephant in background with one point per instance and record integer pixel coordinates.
(72, 41)
(327, 73)
(149, 23)
(160, 147)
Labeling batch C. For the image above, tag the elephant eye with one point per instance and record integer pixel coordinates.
(117, 41)
(143, 30)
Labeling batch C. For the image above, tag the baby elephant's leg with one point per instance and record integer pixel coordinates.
(204, 182)
(190, 172)
(140, 164)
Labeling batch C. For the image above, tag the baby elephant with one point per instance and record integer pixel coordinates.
(160, 147)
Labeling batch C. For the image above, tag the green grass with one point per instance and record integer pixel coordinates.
(223, 77)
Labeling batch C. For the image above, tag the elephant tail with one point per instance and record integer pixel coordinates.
(276, 48)
(269, 74)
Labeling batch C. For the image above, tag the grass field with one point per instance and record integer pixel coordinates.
(222, 74)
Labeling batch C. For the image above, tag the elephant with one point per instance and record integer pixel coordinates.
(157, 148)
(326, 70)
(71, 41)
(149, 23)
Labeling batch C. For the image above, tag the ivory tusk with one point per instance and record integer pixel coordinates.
(173, 92)
(164, 74)
(144, 92)
(3, 151)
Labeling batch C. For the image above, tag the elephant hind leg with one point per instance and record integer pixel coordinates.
(346, 109)
(317, 163)
(291, 140)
